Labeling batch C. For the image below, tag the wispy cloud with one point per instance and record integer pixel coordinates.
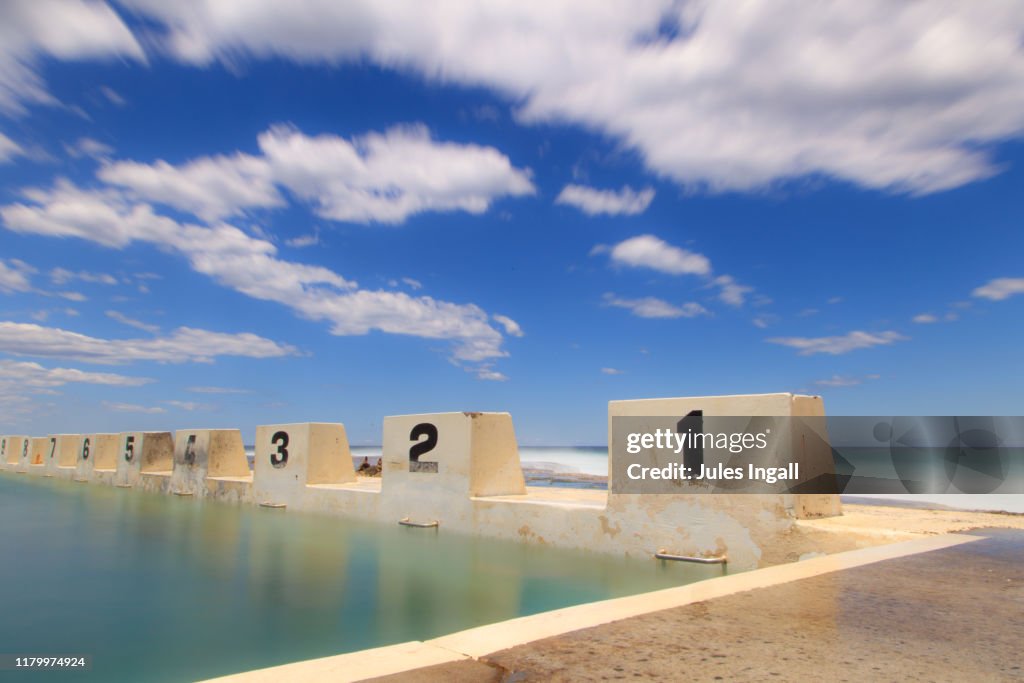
(181, 346)
(837, 381)
(132, 322)
(1000, 288)
(651, 307)
(133, 408)
(838, 345)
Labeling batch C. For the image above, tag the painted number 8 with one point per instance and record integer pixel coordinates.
(280, 458)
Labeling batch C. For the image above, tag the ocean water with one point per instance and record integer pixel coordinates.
(159, 588)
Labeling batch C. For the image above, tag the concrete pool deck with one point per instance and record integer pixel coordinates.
(940, 606)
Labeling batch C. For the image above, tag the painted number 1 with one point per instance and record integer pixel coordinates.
(422, 447)
(280, 458)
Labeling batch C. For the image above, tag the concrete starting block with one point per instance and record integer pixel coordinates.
(97, 455)
(290, 457)
(201, 454)
(436, 462)
(11, 448)
(41, 452)
(143, 452)
(806, 441)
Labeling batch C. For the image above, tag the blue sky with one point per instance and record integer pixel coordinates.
(231, 214)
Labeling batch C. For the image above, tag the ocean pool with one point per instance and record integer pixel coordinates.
(158, 588)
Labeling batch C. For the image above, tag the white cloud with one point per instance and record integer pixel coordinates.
(838, 345)
(731, 292)
(209, 187)
(1000, 288)
(9, 148)
(733, 96)
(303, 241)
(35, 376)
(61, 29)
(648, 251)
(113, 96)
(387, 177)
(189, 406)
(592, 201)
(88, 147)
(378, 177)
(61, 276)
(15, 276)
(411, 283)
(488, 373)
(925, 319)
(611, 371)
(241, 262)
(183, 345)
(651, 307)
(132, 322)
(512, 328)
(132, 408)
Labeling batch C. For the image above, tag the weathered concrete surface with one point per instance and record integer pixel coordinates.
(289, 457)
(11, 450)
(202, 455)
(953, 614)
(817, 460)
(143, 452)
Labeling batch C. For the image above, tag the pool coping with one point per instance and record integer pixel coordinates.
(483, 640)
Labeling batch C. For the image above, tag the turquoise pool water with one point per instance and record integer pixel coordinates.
(158, 588)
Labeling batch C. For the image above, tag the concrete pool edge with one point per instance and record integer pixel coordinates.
(483, 640)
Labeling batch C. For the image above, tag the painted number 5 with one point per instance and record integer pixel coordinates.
(280, 458)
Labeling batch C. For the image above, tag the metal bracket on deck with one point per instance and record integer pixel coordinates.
(419, 525)
(662, 555)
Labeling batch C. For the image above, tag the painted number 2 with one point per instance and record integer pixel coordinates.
(422, 447)
(280, 458)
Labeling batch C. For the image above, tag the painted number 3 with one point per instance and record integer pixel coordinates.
(280, 458)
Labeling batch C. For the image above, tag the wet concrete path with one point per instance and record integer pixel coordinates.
(955, 614)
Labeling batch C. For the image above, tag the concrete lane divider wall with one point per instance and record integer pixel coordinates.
(143, 452)
(209, 462)
(290, 457)
(435, 463)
